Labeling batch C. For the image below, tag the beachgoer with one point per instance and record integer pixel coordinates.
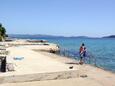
(82, 52)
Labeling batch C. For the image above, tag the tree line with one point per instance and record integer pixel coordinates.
(2, 33)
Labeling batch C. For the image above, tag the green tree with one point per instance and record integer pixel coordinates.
(2, 33)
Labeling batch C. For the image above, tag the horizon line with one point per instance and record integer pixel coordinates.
(62, 35)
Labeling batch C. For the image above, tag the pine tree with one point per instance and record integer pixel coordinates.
(2, 33)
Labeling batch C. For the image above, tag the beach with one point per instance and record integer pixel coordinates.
(40, 68)
(57, 43)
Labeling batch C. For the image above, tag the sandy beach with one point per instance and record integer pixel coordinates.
(38, 68)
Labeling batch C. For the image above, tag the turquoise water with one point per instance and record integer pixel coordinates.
(103, 49)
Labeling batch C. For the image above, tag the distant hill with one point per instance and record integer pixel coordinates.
(111, 36)
(79, 37)
(41, 36)
(31, 36)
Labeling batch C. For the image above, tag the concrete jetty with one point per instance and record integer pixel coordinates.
(33, 67)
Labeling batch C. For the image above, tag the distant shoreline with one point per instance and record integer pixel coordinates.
(53, 36)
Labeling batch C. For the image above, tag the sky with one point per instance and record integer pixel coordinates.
(93, 18)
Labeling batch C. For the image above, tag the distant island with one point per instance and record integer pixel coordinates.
(51, 36)
(32, 36)
(43, 36)
(111, 36)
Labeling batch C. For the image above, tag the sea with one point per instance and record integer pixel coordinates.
(102, 49)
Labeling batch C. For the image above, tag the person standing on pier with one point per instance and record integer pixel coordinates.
(82, 53)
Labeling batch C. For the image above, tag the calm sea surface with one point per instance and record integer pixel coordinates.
(102, 48)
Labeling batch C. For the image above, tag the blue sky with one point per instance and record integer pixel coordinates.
(93, 18)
